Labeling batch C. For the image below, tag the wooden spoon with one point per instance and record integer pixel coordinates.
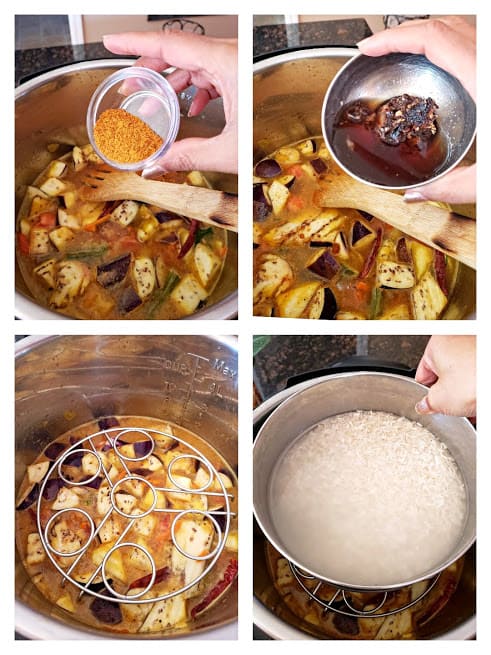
(451, 233)
(207, 205)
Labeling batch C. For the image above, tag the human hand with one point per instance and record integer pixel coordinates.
(448, 367)
(450, 43)
(208, 64)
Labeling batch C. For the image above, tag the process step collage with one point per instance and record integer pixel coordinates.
(157, 350)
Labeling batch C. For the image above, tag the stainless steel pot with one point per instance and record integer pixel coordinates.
(62, 382)
(288, 93)
(52, 108)
(350, 391)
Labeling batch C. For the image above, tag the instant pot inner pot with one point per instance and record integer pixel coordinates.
(287, 107)
(455, 620)
(54, 111)
(63, 382)
(343, 393)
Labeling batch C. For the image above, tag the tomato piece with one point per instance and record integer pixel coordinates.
(23, 243)
(46, 219)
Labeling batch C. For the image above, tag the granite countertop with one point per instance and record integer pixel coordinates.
(277, 38)
(287, 356)
(34, 61)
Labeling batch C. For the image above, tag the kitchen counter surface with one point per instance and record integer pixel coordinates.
(38, 60)
(276, 38)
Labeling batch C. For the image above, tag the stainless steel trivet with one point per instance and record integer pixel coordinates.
(114, 439)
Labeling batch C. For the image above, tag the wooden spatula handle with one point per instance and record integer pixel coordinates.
(208, 205)
(449, 232)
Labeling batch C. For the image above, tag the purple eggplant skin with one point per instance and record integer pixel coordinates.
(359, 231)
(73, 459)
(52, 487)
(129, 300)
(368, 217)
(318, 165)
(54, 450)
(267, 168)
(31, 498)
(108, 422)
(260, 204)
(94, 483)
(166, 216)
(330, 306)
(142, 448)
(320, 244)
(326, 266)
(106, 611)
(114, 271)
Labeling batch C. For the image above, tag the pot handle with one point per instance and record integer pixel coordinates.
(352, 364)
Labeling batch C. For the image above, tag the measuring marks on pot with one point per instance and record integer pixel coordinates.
(128, 499)
(199, 382)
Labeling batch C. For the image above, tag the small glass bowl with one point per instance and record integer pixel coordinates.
(145, 94)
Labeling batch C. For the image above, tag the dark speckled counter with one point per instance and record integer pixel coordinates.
(287, 356)
(269, 39)
(38, 60)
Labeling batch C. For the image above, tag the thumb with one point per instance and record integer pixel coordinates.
(458, 186)
(211, 154)
(433, 402)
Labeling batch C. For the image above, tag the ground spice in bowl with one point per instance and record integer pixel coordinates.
(123, 137)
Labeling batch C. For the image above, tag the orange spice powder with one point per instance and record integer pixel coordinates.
(125, 138)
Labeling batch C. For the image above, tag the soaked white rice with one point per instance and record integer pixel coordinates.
(368, 498)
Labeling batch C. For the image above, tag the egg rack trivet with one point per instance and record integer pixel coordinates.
(113, 442)
(341, 604)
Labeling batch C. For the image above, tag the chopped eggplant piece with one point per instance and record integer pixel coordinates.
(340, 241)
(165, 216)
(30, 498)
(307, 147)
(330, 306)
(399, 313)
(129, 300)
(114, 271)
(47, 272)
(278, 194)
(60, 237)
(303, 301)
(36, 472)
(428, 299)
(54, 450)
(267, 168)
(395, 275)
(39, 241)
(143, 274)
(273, 275)
(359, 231)
(319, 166)
(126, 212)
(53, 187)
(187, 295)
(422, 258)
(324, 265)
(207, 264)
(106, 611)
(368, 217)
(72, 280)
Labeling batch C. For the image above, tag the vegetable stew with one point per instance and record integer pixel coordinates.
(92, 481)
(113, 260)
(313, 262)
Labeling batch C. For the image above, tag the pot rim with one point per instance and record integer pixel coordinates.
(284, 57)
(276, 628)
(290, 395)
(27, 309)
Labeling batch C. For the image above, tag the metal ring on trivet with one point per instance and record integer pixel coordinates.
(113, 437)
(353, 611)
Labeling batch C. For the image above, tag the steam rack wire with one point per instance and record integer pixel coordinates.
(113, 437)
(342, 604)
